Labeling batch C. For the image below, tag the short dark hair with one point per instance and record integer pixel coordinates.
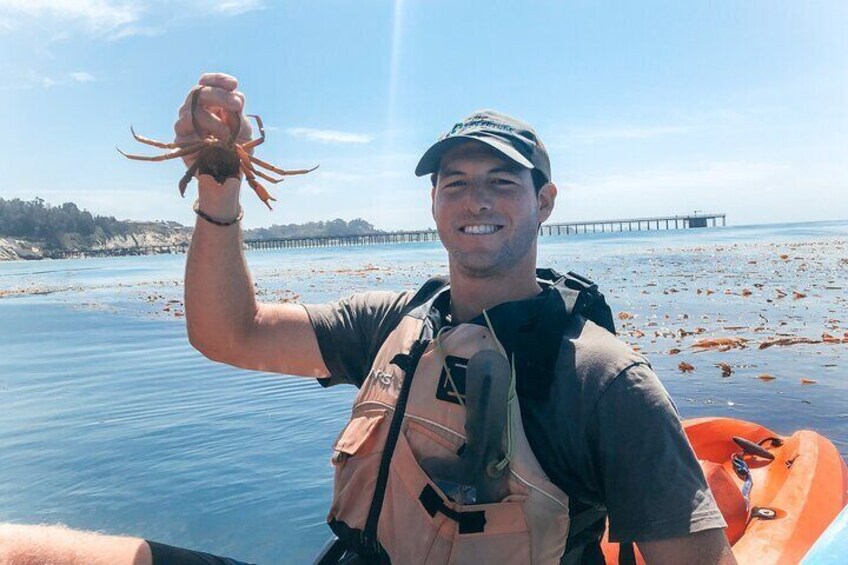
(539, 179)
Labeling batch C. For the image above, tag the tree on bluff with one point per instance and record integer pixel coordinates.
(37, 220)
(332, 228)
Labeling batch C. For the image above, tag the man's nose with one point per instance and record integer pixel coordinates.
(479, 197)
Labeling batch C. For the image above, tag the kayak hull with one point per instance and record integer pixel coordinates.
(806, 487)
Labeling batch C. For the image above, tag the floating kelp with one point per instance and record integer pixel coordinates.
(721, 343)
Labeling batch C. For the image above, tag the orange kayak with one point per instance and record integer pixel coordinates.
(795, 486)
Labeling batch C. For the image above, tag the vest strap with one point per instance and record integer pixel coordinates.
(469, 522)
(369, 533)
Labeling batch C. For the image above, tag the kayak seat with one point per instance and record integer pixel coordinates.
(729, 499)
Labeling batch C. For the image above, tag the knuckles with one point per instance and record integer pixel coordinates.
(216, 90)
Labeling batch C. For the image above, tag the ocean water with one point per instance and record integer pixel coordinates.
(112, 422)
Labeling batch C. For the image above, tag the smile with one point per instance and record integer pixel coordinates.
(480, 229)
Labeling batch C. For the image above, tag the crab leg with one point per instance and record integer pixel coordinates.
(259, 140)
(188, 176)
(265, 176)
(247, 169)
(154, 143)
(245, 158)
(194, 148)
(279, 171)
(260, 191)
(269, 178)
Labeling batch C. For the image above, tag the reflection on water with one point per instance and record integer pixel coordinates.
(113, 422)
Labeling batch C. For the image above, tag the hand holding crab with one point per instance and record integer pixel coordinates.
(213, 138)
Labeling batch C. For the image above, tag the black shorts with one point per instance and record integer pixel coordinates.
(170, 555)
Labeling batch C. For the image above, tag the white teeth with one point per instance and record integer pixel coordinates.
(481, 229)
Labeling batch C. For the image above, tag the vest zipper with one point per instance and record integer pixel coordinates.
(408, 363)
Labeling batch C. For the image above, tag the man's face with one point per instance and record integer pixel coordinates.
(487, 211)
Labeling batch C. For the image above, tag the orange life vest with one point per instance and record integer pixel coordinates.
(410, 412)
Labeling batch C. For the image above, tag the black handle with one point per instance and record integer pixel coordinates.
(752, 448)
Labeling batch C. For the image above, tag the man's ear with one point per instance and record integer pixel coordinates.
(433, 201)
(547, 197)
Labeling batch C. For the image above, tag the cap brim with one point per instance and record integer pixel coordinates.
(429, 162)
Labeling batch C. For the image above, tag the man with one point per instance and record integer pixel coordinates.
(582, 394)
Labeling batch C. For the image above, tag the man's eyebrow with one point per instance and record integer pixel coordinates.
(450, 172)
(512, 169)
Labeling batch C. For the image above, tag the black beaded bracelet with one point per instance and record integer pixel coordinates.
(212, 220)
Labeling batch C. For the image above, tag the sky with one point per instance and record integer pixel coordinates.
(647, 108)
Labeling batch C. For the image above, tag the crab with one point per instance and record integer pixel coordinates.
(220, 158)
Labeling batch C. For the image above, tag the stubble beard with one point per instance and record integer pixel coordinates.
(506, 260)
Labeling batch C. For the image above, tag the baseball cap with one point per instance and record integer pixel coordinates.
(510, 136)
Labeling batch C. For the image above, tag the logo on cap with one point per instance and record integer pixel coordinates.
(480, 122)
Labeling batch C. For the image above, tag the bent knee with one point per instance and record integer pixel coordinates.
(30, 545)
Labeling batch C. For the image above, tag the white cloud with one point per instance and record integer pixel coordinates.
(98, 16)
(236, 7)
(130, 31)
(114, 19)
(82, 76)
(330, 136)
(34, 79)
(748, 191)
(566, 137)
(717, 176)
(30, 79)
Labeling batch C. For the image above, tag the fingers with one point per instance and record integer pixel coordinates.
(216, 97)
(209, 122)
(217, 100)
(220, 80)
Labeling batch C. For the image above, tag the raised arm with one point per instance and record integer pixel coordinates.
(225, 322)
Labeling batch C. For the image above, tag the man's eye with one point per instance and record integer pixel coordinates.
(455, 183)
(504, 182)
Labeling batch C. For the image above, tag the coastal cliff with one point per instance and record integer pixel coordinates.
(138, 234)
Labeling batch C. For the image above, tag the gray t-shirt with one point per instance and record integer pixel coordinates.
(614, 441)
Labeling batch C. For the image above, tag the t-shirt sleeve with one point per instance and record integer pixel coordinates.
(652, 483)
(351, 331)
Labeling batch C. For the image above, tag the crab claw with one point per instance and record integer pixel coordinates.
(263, 194)
(189, 174)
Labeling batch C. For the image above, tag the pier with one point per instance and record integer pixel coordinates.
(655, 223)
(383, 238)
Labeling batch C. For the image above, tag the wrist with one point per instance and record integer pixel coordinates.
(223, 222)
(218, 200)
